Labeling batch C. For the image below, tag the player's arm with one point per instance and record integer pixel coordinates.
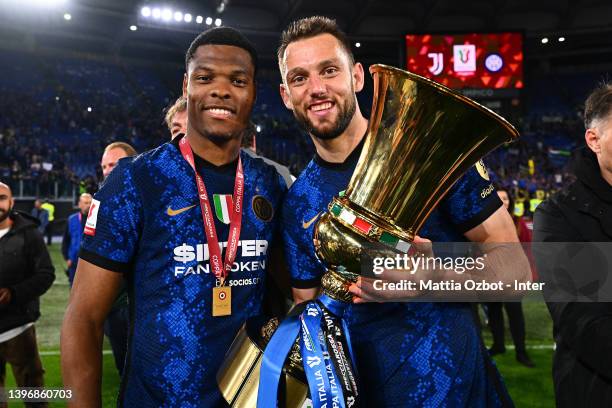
(304, 270)
(92, 295)
(115, 216)
(505, 259)
(302, 295)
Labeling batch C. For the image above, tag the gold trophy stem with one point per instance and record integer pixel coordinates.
(335, 284)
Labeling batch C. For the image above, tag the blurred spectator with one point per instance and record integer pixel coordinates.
(71, 243)
(112, 153)
(41, 215)
(176, 117)
(26, 272)
(50, 208)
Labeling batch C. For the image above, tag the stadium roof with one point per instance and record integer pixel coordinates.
(103, 26)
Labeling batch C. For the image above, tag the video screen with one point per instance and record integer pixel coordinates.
(475, 60)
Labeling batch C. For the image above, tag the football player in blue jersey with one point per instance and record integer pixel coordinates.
(189, 224)
(408, 354)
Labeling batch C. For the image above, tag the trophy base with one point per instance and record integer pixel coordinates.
(238, 377)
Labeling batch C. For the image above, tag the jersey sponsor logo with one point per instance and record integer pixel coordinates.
(486, 191)
(482, 170)
(248, 248)
(92, 218)
(307, 224)
(224, 204)
(173, 213)
(262, 208)
(242, 266)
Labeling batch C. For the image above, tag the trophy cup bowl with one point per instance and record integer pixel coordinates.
(422, 137)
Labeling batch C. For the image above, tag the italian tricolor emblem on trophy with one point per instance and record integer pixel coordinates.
(223, 206)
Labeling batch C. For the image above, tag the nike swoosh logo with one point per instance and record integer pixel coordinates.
(307, 225)
(172, 212)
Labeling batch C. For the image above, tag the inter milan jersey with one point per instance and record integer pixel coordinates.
(407, 354)
(147, 223)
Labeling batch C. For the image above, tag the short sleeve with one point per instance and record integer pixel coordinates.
(304, 267)
(471, 200)
(113, 224)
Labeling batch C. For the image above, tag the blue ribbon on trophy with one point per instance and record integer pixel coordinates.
(326, 352)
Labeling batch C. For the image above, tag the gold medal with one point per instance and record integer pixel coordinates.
(222, 301)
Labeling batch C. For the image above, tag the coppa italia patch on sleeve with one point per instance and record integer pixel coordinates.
(92, 218)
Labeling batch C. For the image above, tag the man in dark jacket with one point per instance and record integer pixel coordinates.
(581, 213)
(26, 272)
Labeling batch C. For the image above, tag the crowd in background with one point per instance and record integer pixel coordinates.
(51, 137)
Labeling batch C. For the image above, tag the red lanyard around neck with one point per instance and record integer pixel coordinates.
(220, 270)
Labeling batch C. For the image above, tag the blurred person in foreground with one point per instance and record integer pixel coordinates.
(71, 243)
(176, 117)
(581, 212)
(514, 310)
(407, 354)
(156, 225)
(26, 273)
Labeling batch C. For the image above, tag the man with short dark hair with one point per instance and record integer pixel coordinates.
(26, 273)
(581, 212)
(164, 220)
(407, 354)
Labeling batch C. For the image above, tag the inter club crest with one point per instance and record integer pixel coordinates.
(262, 208)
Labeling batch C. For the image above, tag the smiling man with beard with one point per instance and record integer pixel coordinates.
(407, 354)
(189, 225)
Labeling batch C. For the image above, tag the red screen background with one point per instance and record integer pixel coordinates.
(507, 45)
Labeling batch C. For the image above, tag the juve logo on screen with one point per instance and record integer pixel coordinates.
(187, 255)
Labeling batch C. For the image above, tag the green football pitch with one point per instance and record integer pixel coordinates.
(529, 387)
